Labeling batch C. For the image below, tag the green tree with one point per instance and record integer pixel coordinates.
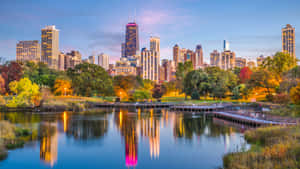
(158, 91)
(279, 63)
(90, 79)
(181, 71)
(27, 93)
(127, 84)
(141, 95)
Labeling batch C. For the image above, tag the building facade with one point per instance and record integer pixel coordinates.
(103, 61)
(50, 46)
(92, 60)
(215, 59)
(132, 40)
(155, 44)
(72, 59)
(176, 54)
(240, 62)
(167, 71)
(28, 51)
(150, 64)
(288, 40)
(227, 60)
(198, 57)
(124, 68)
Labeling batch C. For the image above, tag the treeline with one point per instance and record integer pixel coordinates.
(277, 79)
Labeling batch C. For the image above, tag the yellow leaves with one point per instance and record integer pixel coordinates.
(62, 87)
(27, 93)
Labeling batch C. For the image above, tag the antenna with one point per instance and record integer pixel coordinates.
(134, 15)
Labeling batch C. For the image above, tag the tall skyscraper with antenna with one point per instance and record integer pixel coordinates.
(132, 39)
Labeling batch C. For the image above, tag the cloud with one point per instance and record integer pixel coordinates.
(106, 42)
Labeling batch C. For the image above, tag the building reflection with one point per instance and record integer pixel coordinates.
(48, 135)
(133, 125)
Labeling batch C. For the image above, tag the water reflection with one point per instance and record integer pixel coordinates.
(48, 136)
(135, 127)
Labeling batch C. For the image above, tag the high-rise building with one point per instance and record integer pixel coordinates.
(240, 62)
(103, 61)
(50, 46)
(123, 50)
(92, 60)
(155, 44)
(190, 56)
(132, 40)
(198, 57)
(182, 53)
(61, 61)
(288, 40)
(176, 54)
(150, 64)
(167, 72)
(28, 51)
(215, 59)
(226, 45)
(227, 60)
(72, 59)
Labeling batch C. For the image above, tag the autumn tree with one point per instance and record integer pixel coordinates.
(158, 91)
(26, 93)
(62, 87)
(245, 74)
(2, 85)
(295, 94)
(11, 71)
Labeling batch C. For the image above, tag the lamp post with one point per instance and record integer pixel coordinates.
(65, 89)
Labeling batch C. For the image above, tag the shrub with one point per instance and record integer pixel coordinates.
(281, 98)
(295, 94)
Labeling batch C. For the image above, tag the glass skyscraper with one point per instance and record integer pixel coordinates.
(132, 39)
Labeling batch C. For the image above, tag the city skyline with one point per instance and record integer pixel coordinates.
(92, 33)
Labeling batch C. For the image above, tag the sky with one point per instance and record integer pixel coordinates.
(252, 27)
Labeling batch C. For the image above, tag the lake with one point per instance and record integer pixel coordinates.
(122, 138)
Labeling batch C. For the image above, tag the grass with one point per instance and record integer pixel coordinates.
(286, 110)
(272, 147)
(207, 100)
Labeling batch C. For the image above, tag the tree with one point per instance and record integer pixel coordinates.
(140, 95)
(295, 94)
(11, 71)
(62, 87)
(279, 63)
(196, 83)
(27, 93)
(263, 79)
(90, 79)
(181, 71)
(158, 91)
(124, 85)
(245, 74)
(2, 85)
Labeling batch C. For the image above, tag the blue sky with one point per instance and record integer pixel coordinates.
(253, 27)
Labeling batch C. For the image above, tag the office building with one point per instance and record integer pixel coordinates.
(150, 64)
(167, 70)
(92, 60)
(240, 62)
(198, 57)
(215, 59)
(28, 51)
(124, 68)
(155, 44)
(131, 39)
(72, 59)
(227, 60)
(288, 40)
(50, 46)
(103, 61)
(123, 50)
(176, 54)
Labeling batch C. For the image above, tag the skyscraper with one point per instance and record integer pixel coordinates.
(226, 45)
(28, 51)
(215, 59)
(288, 40)
(103, 61)
(227, 60)
(240, 62)
(155, 44)
(150, 64)
(123, 50)
(50, 46)
(176, 54)
(132, 39)
(91, 59)
(198, 57)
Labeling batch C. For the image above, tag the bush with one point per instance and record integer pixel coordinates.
(281, 98)
(295, 94)
(195, 95)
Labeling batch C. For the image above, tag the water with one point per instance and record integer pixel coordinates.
(123, 139)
